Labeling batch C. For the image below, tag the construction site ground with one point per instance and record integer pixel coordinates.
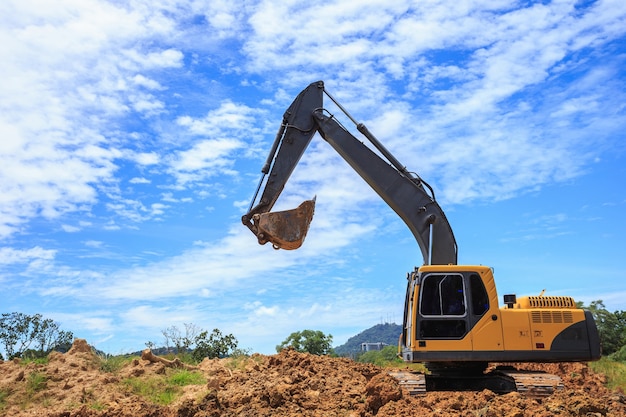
(79, 384)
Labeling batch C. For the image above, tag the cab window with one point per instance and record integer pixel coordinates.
(442, 295)
(480, 300)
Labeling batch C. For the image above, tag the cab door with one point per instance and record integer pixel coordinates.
(484, 313)
(442, 323)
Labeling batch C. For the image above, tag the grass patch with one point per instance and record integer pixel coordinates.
(3, 399)
(164, 390)
(98, 406)
(37, 361)
(241, 360)
(35, 382)
(184, 377)
(112, 364)
(152, 389)
(615, 372)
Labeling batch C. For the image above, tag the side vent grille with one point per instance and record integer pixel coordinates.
(536, 315)
(552, 316)
(567, 317)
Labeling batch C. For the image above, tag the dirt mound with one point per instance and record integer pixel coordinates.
(77, 384)
(80, 346)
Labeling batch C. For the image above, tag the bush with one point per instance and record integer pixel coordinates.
(311, 341)
(620, 355)
(385, 357)
(194, 344)
(215, 345)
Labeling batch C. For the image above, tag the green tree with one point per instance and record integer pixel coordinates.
(214, 345)
(620, 355)
(311, 341)
(20, 333)
(388, 354)
(611, 326)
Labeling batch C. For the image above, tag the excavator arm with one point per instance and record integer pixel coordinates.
(403, 191)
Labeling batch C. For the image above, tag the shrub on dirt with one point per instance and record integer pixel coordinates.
(194, 344)
(214, 345)
(388, 356)
(308, 341)
(620, 355)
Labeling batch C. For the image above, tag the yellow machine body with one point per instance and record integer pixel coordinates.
(452, 314)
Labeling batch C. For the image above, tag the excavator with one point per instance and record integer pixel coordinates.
(453, 322)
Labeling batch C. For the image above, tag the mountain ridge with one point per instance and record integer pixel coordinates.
(386, 333)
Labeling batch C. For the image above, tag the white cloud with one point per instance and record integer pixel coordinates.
(69, 228)
(207, 155)
(224, 129)
(94, 243)
(16, 256)
(66, 71)
(139, 180)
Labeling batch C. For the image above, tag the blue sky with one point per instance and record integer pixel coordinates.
(133, 134)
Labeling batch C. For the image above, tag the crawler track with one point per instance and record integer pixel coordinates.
(527, 383)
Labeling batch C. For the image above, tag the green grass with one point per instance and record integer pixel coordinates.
(98, 406)
(164, 390)
(615, 372)
(3, 399)
(152, 389)
(35, 382)
(37, 361)
(240, 360)
(184, 377)
(112, 364)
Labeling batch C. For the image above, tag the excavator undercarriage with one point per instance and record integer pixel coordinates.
(501, 380)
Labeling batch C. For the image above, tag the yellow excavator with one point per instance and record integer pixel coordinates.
(452, 320)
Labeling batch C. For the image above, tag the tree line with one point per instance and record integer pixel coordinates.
(33, 336)
(611, 327)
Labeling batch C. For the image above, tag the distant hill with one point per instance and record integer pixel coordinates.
(387, 333)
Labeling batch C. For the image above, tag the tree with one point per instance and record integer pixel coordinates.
(388, 354)
(21, 333)
(611, 326)
(214, 345)
(182, 342)
(311, 341)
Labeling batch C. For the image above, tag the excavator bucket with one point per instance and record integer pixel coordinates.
(285, 229)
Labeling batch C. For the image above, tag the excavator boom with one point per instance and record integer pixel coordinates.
(403, 191)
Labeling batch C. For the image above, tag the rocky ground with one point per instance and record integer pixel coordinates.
(76, 384)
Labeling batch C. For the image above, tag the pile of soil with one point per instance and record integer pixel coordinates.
(287, 384)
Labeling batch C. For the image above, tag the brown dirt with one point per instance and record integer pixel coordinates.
(286, 384)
